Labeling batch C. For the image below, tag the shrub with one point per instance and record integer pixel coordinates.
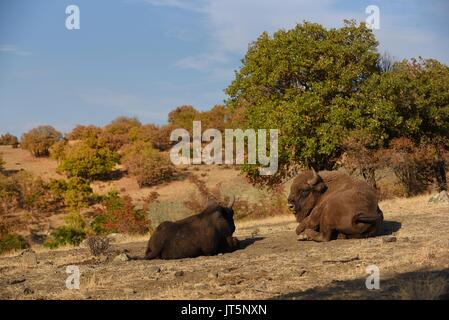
(2, 163)
(25, 191)
(10, 241)
(81, 132)
(146, 164)
(8, 139)
(76, 193)
(40, 139)
(113, 141)
(122, 125)
(88, 162)
(73, 232)
(119, 215)
(411, 164)
(57, 150)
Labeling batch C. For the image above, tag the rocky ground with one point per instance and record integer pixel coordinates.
(412, 256)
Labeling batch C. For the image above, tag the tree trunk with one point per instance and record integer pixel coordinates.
(440, 175)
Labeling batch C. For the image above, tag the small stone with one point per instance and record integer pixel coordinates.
(28, 291)
(389, 239)
(154, 269)
(179, 273)
(200, 286)
(212, 275)
(122, 257)
(29, 258)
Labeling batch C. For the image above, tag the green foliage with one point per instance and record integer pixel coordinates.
(411, 100)
(57, 150)
(12, 241)
(299, 81)
(84, 161)
(76, 193)
(118, 214)
(39, 140)
(146, 164)
(73, 232)
(8, 139)
(183, 116)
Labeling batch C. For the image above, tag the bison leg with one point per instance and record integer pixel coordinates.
(322, 236)
(310, 222)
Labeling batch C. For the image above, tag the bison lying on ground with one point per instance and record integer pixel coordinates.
(207, 233)
(331, 204)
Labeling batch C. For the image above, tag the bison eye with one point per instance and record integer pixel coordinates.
(305, 193)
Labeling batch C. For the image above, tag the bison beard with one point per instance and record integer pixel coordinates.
(207, 233)
(333, 205)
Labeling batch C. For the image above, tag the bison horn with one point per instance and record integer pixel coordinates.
(315, 179)
(231, 201)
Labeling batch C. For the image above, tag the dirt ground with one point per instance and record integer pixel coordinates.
(271, 264)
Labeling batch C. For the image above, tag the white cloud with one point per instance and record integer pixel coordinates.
(233, 24)
(9, 48)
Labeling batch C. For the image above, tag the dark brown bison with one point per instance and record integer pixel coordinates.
(207, 233)
(331, 204)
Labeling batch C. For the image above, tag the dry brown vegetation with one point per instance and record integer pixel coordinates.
(270, 264)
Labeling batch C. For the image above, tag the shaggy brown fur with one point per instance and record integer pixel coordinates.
(207, 233)
(331, 204)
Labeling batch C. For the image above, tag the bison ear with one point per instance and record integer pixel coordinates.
(320, 187)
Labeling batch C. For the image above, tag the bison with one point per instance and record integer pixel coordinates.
(333, 205)
(207, 233)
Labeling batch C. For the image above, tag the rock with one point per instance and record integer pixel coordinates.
(28, 291)
(122, 257)
(389, 239)
(115, 237)
(83, 244)
(154, 269)
(442, 197)
(179, 273)
(201, 286)
(29, 258)
(97, 245)
(212, 275)
(129, 291)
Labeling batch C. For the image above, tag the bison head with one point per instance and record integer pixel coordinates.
(226, 211)
(304, 193)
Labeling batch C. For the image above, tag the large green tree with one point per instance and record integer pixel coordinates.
(300, 81)
(412, 101)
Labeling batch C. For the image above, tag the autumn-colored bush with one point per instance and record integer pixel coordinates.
(82, 160)
(2, 163)
(57, 150)
(147, 165)
(411, 163)
(118, 214)
(25, 191)
(81, 132)
(39, 140)
(271, 204)
(8, 139)
(72, 232)
(360, 157)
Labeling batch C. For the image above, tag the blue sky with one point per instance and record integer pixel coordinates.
(144, 57)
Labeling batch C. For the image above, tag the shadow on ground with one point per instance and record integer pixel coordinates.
(417, 285)
(390, 227)
(243, 244)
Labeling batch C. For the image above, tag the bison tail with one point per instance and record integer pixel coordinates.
(365, 218)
